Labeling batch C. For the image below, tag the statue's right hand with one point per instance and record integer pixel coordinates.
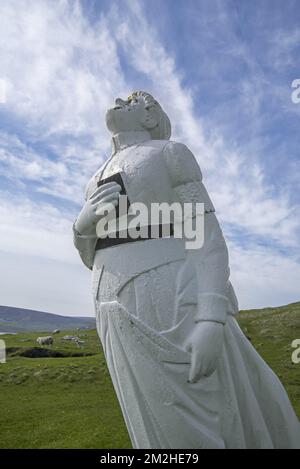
(103, 199)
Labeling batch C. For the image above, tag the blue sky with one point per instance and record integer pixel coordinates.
(222, 70)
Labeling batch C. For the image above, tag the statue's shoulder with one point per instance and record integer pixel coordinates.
(177, 148)
(167, 146)
(154, 145)
(181, 162)
(178, 154)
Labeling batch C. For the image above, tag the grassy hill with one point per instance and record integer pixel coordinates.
(69, 402)
(271, 331)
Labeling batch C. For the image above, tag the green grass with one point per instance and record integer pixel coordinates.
(59, 402)
(272, 331)
(69, 402)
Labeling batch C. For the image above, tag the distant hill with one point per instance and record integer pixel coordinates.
(23, 320)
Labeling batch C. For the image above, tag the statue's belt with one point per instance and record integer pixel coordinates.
(148, 232)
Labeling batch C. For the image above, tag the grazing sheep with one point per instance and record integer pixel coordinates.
(45, 340)
(75, 339)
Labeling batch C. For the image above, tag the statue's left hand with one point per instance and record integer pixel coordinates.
(205, 344)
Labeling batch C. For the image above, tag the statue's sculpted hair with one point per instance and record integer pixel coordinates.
(163, 129)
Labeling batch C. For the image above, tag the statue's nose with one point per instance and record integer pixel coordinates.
(120, 102)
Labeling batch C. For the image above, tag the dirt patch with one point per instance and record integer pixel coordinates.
(37, 352)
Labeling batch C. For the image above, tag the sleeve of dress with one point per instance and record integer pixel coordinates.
(203, 279)
(185, 175)
(86, 244)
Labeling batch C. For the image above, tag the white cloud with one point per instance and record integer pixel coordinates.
(35, 228)
(264, 277)
(235, 177)
(33, 282)
(63, 70)
(64, 74)
(39, 267)
(19, 161)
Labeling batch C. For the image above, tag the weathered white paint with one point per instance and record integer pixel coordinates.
(184, 373)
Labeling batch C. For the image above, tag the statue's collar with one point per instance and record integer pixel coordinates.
(126, 139)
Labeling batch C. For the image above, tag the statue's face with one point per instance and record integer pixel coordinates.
(128, 115)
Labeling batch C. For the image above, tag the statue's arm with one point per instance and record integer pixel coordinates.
(210, 273)
(85, 244)
(212, 270)
(99, 201)
(185, 175)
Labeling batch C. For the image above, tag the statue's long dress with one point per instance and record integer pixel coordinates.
(142, 320)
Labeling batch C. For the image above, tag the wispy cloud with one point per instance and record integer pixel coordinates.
(235, 177)
(67, 70)
(264, 276)
(35, 228)
(63, 70)
(63, 75)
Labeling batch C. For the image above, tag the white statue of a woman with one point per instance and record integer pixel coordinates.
(184, 373)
